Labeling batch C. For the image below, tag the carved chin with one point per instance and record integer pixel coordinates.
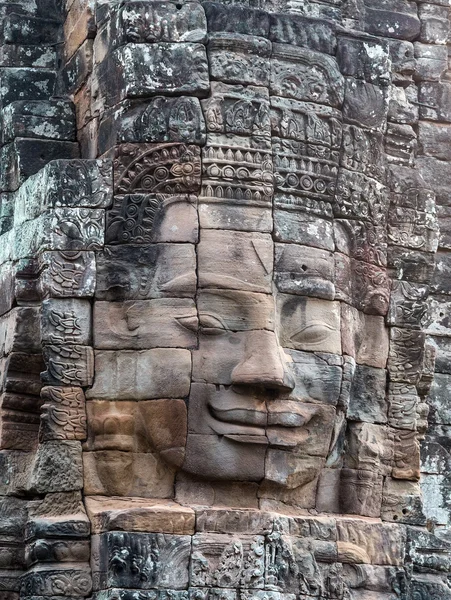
(115, 471)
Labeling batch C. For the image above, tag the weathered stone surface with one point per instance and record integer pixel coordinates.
(304, 271)
(364, 103)
(122, 375)
(63, 415)
(309, 324)
(235, 284)
(39, 119)
(156, 22)
(66, 321)
(68, 364)
(303, 228)
(167, 269)
(26, 84)
(235, 260)
(364, 337)
(118, 473)
(365, 59)
(176, 68)
(156, 168)
(397, 21)
(329, 84)
(24, 157)
(161, 119)
(238, 311)
(212, 549)
(169, 571)
(135, 514)
(57, 467)
(238, 58)
(363, 285)
(142, 324)
(367, 401)
(147, 218)
(236, 19)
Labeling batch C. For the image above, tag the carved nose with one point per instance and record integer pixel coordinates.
(262, 363)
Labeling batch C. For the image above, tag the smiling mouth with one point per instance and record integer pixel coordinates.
(245, 418)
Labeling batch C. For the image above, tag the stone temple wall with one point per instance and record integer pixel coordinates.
(225, 282)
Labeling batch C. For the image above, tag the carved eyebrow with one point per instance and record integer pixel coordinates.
(228, 282)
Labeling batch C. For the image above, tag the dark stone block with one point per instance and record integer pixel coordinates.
(19, 29)
(151, 560)
(13, 55)
(367, 399)
(366, 59)
(61, 528)
(161, 119)
(411, 265)
(236, 19)
(297, 30)
(428, 553)
(49, 119)
(25, 157)
(123, 269)
(391, 23)
(365, 104)
(26, 84)
(143, 70)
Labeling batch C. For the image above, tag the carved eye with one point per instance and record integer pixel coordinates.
(190, 322)
(211, 325)
(313, 333)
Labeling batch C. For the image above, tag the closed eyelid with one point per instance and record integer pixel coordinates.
(207, 320)
(319, 331)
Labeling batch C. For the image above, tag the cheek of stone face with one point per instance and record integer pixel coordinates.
(165, 426)
(217, 356)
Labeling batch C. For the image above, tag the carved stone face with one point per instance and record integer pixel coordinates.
(247, 326)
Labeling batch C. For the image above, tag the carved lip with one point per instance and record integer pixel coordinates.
(245, 415)
(240, 416)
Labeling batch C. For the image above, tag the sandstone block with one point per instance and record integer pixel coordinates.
(117, 473)
(304, 271)
(68, 365)
(298, 30)
(63, 415)
(309, 324)
(240, 19)
(142, 324)
(365, 104)
(147, 218)
(168, 270)
(209, 550)
(221, 458)
(169, 570)
(330, 88)
(316, 378)
(57, 467)
(141, 375)
(364, 337)
(66, 321)
(367, 400)
(238, 58)
(235, 260)
(237, 310)
(136, 70)
(50, 119)
(139, 515)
